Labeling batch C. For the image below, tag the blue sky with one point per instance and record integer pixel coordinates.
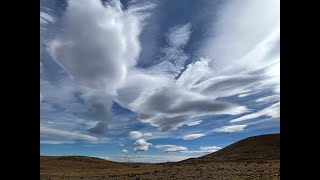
(156, 81)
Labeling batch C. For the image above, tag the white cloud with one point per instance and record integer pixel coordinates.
(232, 128)
(147, 134)
(230, 85)
(271, 111)
(203, 150)
(171, 148)
(97, 47)
(192, 136)
(135, 134)
(125, 151)
(45, 18)
(138, 134)
(269, 99)
(243, 95)
(209, 149)
(67, 135)
(55, 142)
(194, 73)
(194, 123)
(141, 145)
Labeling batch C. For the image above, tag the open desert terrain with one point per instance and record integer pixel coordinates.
(252, 158)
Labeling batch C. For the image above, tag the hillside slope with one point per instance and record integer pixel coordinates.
(256, 148)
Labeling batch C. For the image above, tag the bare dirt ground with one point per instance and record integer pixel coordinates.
(252, 158)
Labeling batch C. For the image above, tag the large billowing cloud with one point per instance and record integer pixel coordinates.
(98, 45)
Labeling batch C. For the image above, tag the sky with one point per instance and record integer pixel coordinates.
(156, 81)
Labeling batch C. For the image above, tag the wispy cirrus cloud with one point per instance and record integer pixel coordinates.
(69, 135)
(184, 150)
(250, 42)
(231, 128)
(173, 55)
(45, 18)
(56, 142)
(271, 111)
(194, 123)
(192, 136)
(269, 99)
(203, 150)
(171, 148)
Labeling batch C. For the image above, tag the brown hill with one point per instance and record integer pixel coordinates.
(251, 158)
(256, 148)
